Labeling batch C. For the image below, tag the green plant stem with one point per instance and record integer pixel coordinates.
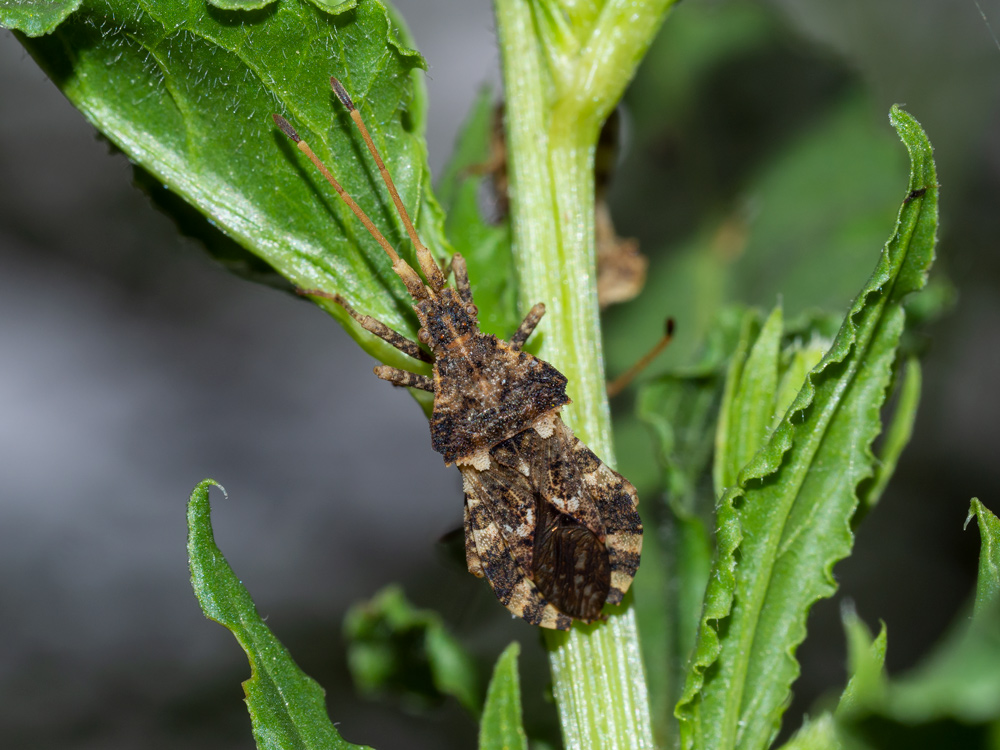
(561, 79)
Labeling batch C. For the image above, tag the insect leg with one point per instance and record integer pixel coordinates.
(377, 327)
(461, 272)
(527, 326)
(404, 378)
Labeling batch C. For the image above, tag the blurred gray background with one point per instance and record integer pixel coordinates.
(131, 367)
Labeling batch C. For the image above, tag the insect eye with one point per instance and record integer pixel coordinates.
(472, 310)
(422, 336)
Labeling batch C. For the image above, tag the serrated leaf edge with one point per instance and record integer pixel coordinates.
(720, 594)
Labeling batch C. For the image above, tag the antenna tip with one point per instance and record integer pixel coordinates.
(287, 129)
(342, 94)
(670, 326)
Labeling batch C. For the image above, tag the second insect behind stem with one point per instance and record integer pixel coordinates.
(551, 527)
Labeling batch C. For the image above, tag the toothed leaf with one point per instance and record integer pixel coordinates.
(786, 523)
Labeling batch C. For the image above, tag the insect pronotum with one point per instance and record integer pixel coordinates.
(551, 527)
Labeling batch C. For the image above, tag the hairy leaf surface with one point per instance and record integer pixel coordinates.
(35, 17)
(187, 90)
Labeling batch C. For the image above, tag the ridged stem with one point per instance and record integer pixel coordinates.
(563, 74)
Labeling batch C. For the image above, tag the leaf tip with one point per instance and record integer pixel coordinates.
(202, 488)
(975, 508)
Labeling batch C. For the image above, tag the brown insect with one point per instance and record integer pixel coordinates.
(554, 530)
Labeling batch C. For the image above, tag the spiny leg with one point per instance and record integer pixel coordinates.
(461, 273)
(527, 326)
(403, 378)
(372, 325)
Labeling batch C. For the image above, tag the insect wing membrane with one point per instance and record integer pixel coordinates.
(570, 566)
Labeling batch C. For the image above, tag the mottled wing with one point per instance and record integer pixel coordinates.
(568, 562)
(560, 480)
(553, 529)
(510, 498)
(616, 501)
(495, 559)
(472, 560)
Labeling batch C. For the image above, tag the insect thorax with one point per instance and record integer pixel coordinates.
(484, 391)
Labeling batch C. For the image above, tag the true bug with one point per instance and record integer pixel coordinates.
(554, 530)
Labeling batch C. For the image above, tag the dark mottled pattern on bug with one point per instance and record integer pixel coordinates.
(554, 530)
(484, 391)
(615, 500)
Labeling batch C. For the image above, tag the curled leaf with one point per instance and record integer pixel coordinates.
(287, 707)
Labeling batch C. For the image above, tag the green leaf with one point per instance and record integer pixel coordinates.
(485, 246)
(952, 699)
(680, 411)
(816, 734)
(866, 665)
(783, 527)
(896, 437)
(960, 680)
(809, 343)
(240, 4)
(501, 727)
(724, 473)
(765, 374)
(187, 90)
(394, 647)
(287, 708)
(35, 17)
(748, 406)
(988, 582)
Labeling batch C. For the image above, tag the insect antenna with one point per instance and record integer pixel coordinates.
(410, 278)
(620, 383)
(427, 263)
